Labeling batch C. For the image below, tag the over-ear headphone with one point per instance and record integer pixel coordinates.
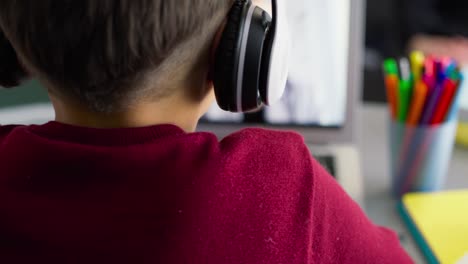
(251, 61)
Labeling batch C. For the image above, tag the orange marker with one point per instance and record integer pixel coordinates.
(417, 103)
(391, 82)
(450, 87)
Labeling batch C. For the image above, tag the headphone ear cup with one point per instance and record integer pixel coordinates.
(265, 70)
(11, 70)
(227, 58)
(275, 61)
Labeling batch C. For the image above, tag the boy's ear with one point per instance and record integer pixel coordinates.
(214, 48)
(12, 72)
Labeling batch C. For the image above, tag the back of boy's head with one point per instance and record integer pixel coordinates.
(108, 53)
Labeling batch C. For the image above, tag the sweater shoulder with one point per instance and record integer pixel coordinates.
(267, 150)
(259, 139)
(7, 130)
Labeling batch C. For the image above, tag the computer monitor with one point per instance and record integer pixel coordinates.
(324, 82)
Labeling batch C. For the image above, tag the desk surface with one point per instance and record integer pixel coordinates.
(373, 145)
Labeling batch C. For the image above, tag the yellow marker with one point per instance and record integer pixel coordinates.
(417, 64)
(417, 103)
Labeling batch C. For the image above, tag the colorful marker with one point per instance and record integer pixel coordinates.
(405, 90)
(422, 90)
(417, 103)
(391, 83)
(430, 69)
(432, 101)
(390, 67)
(446, 98)
(417, 64)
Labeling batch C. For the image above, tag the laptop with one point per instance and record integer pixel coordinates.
(322, 92)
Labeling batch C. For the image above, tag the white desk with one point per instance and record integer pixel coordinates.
(373, 144)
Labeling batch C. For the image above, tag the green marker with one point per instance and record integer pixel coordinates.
(390, 67)
(455, 75)
(404, 98)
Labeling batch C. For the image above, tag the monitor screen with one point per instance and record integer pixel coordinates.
(316, 89)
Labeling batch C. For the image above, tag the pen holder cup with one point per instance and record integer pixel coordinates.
(420, 156)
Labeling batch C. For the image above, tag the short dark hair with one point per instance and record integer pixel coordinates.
(94, 50)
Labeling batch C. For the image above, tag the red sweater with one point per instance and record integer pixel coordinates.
(159, 195)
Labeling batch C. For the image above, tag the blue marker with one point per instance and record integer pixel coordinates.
(450, 69)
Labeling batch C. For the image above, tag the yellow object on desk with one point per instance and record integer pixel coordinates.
(462, 134)
(439, 224)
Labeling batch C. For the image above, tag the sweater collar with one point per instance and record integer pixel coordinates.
(105, 137)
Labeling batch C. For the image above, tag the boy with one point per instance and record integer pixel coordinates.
(120, 176)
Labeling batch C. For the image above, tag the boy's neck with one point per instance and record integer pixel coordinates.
(174, 110)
